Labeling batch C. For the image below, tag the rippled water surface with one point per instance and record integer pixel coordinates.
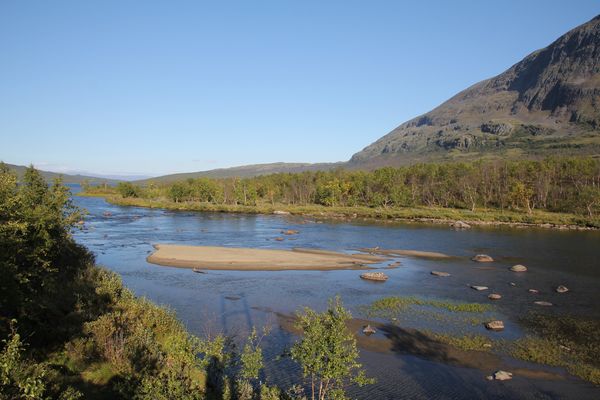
(210, 301)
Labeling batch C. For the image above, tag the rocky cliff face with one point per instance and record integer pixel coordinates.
(547, 103)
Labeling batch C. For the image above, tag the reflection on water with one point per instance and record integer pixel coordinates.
(234, 301)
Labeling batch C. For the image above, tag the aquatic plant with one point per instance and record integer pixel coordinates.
(392, 307)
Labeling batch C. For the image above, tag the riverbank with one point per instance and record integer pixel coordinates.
(246, 259)
(446, 216)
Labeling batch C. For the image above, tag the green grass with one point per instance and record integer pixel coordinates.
(465, 342)
(569, 342)
(421, 214)
(392, 307)
(99, 373)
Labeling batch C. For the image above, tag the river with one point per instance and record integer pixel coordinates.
(234, 301)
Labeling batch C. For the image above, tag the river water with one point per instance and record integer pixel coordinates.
(234, 301)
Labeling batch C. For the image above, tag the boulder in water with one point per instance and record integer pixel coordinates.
(502, 375)
(562, 289)
(518, 268)
(460, 225)
(479, 288)
(482, 258)
(543, 303)
(494, 296)
(439, 273)
(374, 276)
(495, 325)
(369, 330)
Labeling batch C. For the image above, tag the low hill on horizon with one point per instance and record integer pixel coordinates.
(66, 178)
(246, 171)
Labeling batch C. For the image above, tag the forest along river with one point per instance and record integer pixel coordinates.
(234, 301)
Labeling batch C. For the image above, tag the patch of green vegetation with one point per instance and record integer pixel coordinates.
(394, 307)
(465, 342)
(99, 373)
(566, 341)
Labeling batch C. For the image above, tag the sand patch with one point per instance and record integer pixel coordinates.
(406, 253)
(247, 259)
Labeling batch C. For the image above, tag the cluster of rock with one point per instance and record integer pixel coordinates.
(497, 128)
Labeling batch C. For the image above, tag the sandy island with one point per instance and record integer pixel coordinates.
(247, 259)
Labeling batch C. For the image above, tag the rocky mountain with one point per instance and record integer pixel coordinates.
(548, 103)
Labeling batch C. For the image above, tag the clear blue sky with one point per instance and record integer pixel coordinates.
(156, 87)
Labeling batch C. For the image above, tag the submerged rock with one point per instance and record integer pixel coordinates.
(518, 268)
(290, 232)
(369, 330)
(482, 258)
(480, 288)
(512, 284)
(494, 296)
(562, 289)
(495, 325)
(534, 291)
(439, 273)
(543, 303)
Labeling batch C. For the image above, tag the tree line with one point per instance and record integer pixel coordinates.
(569, 185)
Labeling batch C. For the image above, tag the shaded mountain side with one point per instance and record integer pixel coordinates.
(246, 171)
(66, 178)
(548, 103)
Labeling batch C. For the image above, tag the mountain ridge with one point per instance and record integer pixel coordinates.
(549, 102)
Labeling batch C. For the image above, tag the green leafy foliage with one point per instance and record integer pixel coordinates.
(38, 256)
(327, 352)
(127, 189)
(19, 379)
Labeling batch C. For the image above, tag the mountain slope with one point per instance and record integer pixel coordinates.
(547, 103)
(66, 178)
(246, 171)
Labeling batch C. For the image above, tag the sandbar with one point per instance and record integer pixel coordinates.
(249, 259)
(406, 253)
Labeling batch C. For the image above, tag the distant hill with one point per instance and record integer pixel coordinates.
(50, 176)
(548, 103)
(246, 171)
